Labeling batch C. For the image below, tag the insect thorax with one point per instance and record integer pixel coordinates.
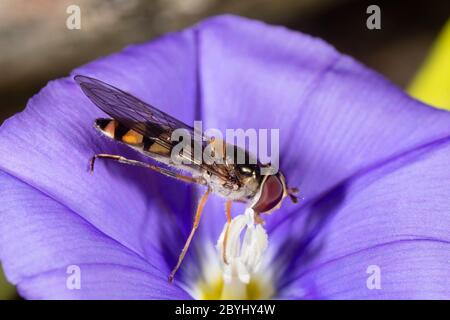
(242, 191)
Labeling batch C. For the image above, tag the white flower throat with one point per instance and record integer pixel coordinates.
(246, 244)
(246, 273)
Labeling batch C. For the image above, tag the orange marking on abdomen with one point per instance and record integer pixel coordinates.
(110, 128)
(159, 149)
(132, 137)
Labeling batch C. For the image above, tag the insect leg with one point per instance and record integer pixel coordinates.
(225, 237)
(198, 214)
(163, 171)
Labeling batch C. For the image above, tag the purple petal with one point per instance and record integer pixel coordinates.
(394, 215)
(415, 269)
(40, 239)
(338, 121)
(335, 116)
(48, 146)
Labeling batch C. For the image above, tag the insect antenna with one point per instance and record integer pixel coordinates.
(292, 194)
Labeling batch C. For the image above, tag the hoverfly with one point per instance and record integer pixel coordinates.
(148, 130)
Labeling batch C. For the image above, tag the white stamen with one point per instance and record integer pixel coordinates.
(243, 258)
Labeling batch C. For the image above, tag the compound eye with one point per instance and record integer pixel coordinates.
(271, 195)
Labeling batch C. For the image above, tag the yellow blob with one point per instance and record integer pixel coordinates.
(431, 85)
(158, 149)
(132, 137)
(257, 289)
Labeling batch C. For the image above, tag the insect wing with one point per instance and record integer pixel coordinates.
(129, 110)
(142, 118)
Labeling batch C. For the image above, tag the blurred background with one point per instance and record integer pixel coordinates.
(36, 46)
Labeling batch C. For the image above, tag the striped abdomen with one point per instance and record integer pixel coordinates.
(117, 131)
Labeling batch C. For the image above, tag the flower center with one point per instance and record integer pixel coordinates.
(244, 248)
(238, 275)
(257, 289)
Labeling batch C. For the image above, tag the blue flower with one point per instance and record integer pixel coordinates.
(372, 165)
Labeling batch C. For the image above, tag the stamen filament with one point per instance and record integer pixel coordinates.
(243, 255)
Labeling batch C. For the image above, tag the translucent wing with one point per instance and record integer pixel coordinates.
(139, 116)
(129, 110)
